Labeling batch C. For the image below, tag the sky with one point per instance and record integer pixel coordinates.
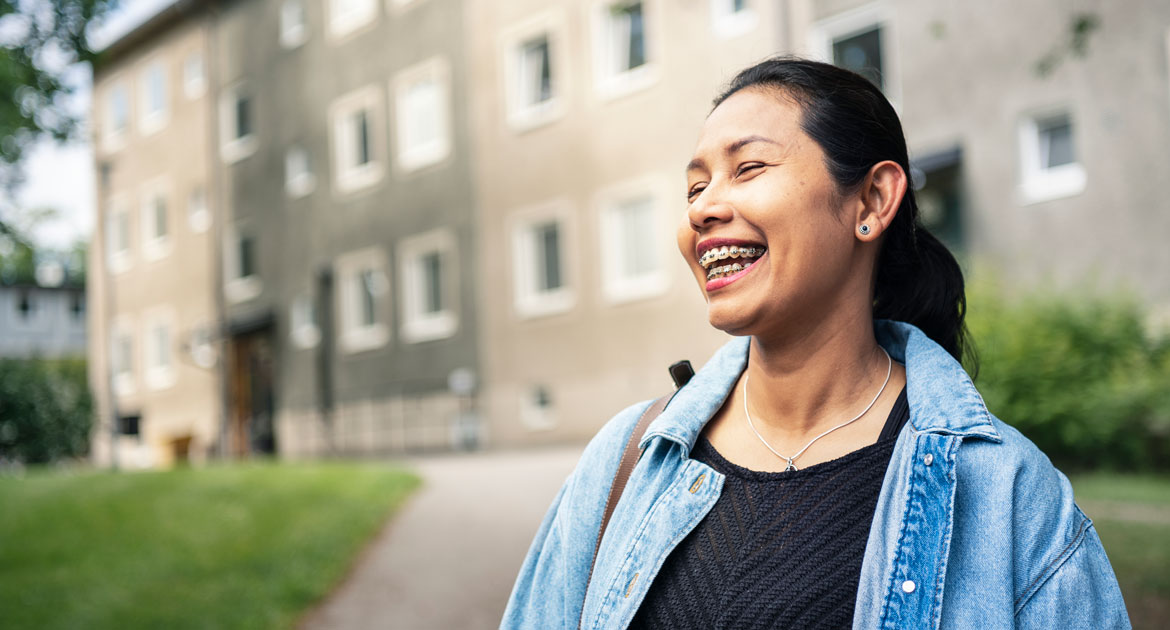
(62, 176)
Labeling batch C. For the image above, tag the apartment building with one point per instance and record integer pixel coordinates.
(585, 115)
(42, 320)
(151, 311)
(349, 249)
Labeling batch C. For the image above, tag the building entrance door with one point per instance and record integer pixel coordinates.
(251, 429)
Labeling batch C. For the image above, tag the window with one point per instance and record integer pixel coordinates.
(159, 357)
(533, 71)
(429, 288)
(363, 293)
(731, 18)
(26, 306)
(632, 251)
(1048, 158)
(422, 113)
(153, 98)
(77, 306)
(622, 53)
(198, 216)
(122, 356)
(298, 174)
(130, 425)
(357, 150)
(536, 408)
(859, 40)
(118, 236)
(303, 328)
(117, 116)
(539, 271)
(347, 17)
(293, 31)
(237, 135)
(240, 266)
(194, 80)
(156, 237)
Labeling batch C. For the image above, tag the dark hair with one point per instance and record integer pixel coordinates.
(918, 280)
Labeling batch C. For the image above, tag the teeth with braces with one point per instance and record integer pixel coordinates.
(733, 251)
(726, 269)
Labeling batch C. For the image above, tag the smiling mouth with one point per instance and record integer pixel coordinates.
(718, 261)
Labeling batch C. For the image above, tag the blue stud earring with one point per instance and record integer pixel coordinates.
(864, 229)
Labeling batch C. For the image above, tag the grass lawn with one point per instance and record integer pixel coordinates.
(232, 546)
(1139, 551)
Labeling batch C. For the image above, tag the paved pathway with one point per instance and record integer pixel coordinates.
(448, 559)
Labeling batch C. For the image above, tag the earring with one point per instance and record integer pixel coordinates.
(864, 229)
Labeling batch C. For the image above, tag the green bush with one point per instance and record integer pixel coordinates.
(45, 410)
(1080, 376)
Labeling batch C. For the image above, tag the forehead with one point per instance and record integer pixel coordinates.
(752, 111)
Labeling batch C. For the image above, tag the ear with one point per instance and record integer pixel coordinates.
(880, 195)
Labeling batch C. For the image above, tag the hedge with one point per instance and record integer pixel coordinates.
(46, 411)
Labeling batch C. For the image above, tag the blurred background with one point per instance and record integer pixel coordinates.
(352, 282)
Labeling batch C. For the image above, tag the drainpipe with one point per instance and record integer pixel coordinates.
(325, 351)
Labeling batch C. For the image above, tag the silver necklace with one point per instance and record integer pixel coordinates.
(746, 376)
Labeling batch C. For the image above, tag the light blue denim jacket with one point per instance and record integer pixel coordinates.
(974, 528)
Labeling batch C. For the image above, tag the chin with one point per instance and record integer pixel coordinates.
(728, 319)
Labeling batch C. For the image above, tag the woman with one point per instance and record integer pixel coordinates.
(833, 466)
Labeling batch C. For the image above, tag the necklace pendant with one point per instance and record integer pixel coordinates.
(790, 467)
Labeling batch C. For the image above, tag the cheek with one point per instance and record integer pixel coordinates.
(686, 240)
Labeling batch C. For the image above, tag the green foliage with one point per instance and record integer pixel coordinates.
(41, 39)
(1080, 376)
(45, 410)
(240, 546)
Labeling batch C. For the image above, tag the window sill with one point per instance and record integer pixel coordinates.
(430, 327)
(623, 290)
(359, 178)
(1065, 181)
(363, 339)
(614, 86)
(242, 289)
(527, 118)
(735, 24)
(235, 150)
(534, 305)
(300, 186)
(160, 378)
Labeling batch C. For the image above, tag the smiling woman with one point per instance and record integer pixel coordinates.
(860, 481)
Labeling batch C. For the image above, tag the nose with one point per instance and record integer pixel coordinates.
(708, 209)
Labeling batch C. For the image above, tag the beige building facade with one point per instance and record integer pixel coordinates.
(151, 293)
(585, 114)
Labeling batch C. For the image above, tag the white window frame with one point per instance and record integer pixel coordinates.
(194, 85)
(344, 26)
(119, 260)
(823, 33)
(293, 34)
(152, 121)
(239, 288)
(411, 159)
(124, 381)
(615, 288)
(234, 148)
(528, 300)
(418, 326)
(303, 329)
(114, 138)
(298, 183)
(1038, 184)
(198, 213)
(608, 81)
(156, 247)
(349, 177)
(356, 336)
(521, 115)
(159, 377)
(728, 24)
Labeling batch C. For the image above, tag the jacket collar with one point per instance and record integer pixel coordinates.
(941, 396)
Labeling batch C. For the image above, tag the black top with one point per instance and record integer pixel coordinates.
(777, 550)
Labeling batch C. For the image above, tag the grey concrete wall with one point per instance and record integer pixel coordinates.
(298, 237)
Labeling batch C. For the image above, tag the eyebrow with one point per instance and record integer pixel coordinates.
(698, 163)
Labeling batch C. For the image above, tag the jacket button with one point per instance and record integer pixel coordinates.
(908, 586)
(928, 459)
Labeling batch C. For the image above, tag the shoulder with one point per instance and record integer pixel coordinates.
(599, 461)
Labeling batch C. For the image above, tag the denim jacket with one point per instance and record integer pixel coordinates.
(974, 527)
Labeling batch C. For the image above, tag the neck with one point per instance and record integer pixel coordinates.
(804, 383)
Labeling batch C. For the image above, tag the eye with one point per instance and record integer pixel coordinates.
(746, 168)
(695, 191)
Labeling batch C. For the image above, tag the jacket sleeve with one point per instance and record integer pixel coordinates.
(537, 601)
(1080, 593)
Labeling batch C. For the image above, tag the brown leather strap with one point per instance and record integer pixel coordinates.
(625, 469)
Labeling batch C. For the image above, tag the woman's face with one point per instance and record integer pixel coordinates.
(758, 184)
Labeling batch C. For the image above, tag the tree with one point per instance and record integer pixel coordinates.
(39, 41)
